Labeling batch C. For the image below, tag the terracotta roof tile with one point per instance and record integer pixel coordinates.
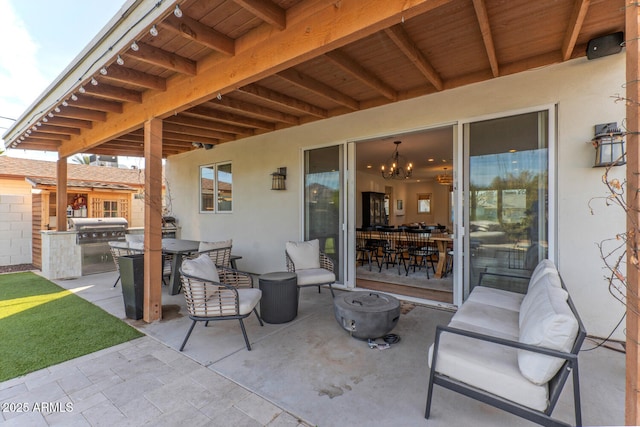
(12, 167)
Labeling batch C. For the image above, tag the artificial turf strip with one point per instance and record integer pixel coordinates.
(42, 324)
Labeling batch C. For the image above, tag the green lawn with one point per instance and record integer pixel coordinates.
(42, 324)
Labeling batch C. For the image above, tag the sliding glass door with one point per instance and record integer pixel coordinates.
(323, 196)
(506, 198)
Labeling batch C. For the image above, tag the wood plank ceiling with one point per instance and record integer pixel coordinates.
(431, 46)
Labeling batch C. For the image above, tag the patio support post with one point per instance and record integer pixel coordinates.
(61, 196)
(152, 220)
(632, 399)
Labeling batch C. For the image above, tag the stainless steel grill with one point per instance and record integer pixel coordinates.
(93, 237)
(98, 230)
(169, 226)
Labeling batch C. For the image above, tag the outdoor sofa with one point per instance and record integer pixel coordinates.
(513, 351)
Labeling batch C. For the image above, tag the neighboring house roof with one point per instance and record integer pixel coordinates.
(51, 182)
(41, 172)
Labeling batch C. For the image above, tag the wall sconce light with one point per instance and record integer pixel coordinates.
(609, 144)
(278, 178)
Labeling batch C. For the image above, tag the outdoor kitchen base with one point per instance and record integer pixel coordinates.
(367, 315)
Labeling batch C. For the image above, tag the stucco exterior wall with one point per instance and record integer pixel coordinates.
(263, 220)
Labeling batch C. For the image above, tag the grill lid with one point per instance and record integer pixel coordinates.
(97, 223)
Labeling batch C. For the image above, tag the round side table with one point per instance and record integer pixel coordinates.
(279, 302)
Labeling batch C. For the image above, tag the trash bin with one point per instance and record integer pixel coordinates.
(279, 302)
(132, 280)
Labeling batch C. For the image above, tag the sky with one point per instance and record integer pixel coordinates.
(40, 38)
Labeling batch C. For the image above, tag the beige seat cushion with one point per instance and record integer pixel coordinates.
(201, 267)
(549, 323)
(304, 254)
(207, 246)
(489, 367)
(249, 298)
(492, 320)
(496, 297)
(315, 276)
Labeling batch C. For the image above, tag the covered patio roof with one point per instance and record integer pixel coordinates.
(222, 70)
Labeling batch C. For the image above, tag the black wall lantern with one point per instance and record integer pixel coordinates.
(278, 179)
(609, 144)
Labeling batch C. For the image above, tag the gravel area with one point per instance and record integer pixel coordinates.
(16, 268)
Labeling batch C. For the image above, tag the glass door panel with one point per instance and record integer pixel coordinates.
(506, 201)
(323, 194)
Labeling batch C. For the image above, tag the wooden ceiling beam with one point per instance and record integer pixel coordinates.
(176, 136)
(283, 100)
(47, 135)
(114, 92)
(400, 37)
(91, 103)
(485, 29)
(579, 12)
(196, 132)
(206, 36)
(254, 110)
(266, 10)
(134, 77)
(349, 65)
(65, 130)
(162, 58)
(131, 138)
(197, 122)
(316, 28)
(84, 114)
(230, 118)
(41, 141)
(65, 121)
(312, 85)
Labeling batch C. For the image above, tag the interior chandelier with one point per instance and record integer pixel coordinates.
(445, 179)
(394, 169)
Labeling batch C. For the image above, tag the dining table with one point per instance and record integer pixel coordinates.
(443, 243)
(178, 248)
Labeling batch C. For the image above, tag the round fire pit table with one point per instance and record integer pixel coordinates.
(279, 302)
(367, 315)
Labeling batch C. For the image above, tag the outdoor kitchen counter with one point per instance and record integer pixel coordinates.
(61, 258)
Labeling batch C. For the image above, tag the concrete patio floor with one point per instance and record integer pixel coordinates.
(305, 372)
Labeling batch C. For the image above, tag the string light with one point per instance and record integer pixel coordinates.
(177, 12)
(50, 114)
(119, 60)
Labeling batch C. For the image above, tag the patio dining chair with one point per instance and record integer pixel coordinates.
(364, 252)
(135, 243)
(217, 293)
(117, 250)
(312, 267)
(219, 252)
(421, 253)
